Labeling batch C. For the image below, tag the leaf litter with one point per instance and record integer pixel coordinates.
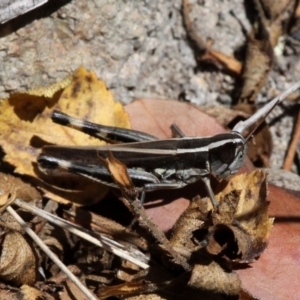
(205, 244)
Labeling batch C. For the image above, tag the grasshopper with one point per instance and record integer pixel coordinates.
(155, 164)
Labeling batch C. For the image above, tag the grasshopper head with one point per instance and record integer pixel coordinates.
(227, 154)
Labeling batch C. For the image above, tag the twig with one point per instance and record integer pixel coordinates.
(136, 207)
(99, 240)
(51, 255)
(287, 165)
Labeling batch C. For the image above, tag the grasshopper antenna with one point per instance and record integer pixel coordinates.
(242, 126)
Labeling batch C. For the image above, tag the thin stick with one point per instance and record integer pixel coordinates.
(288, 162)
(136, 207)
(100, 240)
(51, 255)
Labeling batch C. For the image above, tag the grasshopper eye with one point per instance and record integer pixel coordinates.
(225, 153)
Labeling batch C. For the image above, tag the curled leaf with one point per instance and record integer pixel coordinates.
(18, 262)
(212, 277)
(241, 223)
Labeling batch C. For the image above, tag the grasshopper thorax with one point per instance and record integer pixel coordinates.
(227, 154)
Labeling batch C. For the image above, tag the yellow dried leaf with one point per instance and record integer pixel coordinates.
(242, 218)
(25, 123)
(25, 126)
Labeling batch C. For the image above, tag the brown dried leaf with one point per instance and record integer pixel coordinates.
(273, 9)
(18, 262)
(146, 297)
(30, 293)
(129, 288)
(206, 52)
(189, 221)
(71, 291)
(212, 277)
(118, 171)
(225, 116)
(19, 189)
(269, 26)
(25, 292)
(259, 60)
(229, 63)
(242, 226)
(7, 294)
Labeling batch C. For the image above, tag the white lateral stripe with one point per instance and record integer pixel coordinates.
(193, 150)
(143, 151)
(224, 142)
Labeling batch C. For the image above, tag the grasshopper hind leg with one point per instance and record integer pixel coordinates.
(106, 133)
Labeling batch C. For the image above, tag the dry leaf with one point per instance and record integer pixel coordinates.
(25, 292)
(12, 187)
(269, 278)
(224, 115)
(229, 63)
(129, 288)
(189, 221)
(18, 262)
(206, 52)
(104, 225)
(71, 291)
(26, 126)
(259, 60)
(118, 171)
(241, 224)
(212, 277)
(25, 119)
(145, 297)
(269, 25)
(9, 294)
(30, 293)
